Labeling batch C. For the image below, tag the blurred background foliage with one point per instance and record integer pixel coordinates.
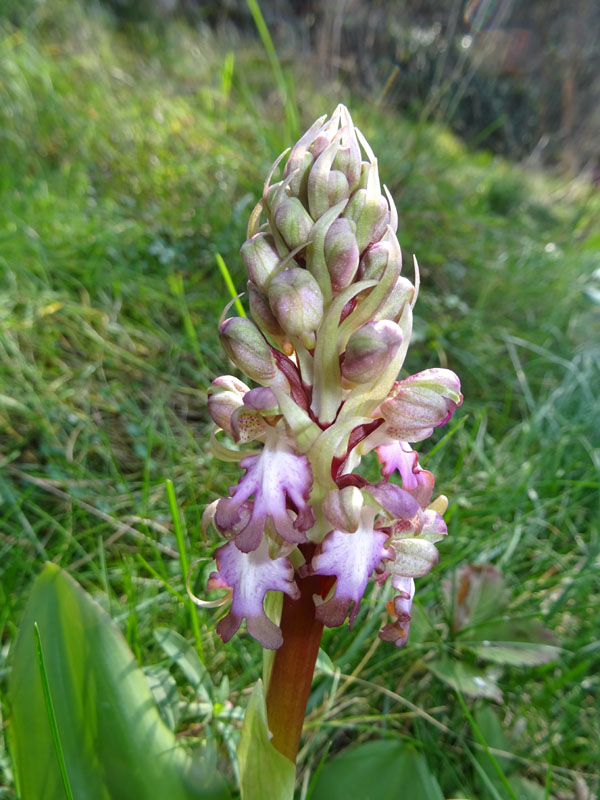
(521, 79)
(134, 141)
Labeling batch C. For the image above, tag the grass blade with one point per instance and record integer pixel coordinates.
(174, 509)
(39, 655)
(230, 285)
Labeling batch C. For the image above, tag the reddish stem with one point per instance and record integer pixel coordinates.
(294, 664)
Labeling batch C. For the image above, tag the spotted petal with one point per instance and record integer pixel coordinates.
(251, 576)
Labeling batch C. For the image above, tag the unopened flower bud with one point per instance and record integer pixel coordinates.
(261, 259)
(370, 349)
(248, 349)
(297, 302)
(225, 394)
(341, 253)
(300, 166)
(414, 557)
(375, 260)
(348, 159)
(342, 508)
(392, 306)
(371, 215)
(420, 403)
(293, 222)
(261, 312)
(337, 187)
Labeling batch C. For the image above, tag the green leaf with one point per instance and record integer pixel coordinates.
(165, 694)
(187, 659)
(515, 642)
(379, 770)
(516, 654)
(265, 774)
(466, 678)
(114, 742)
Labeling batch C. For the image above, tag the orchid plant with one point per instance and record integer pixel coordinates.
(330, 329)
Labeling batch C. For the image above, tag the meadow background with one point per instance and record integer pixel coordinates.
(132, 150)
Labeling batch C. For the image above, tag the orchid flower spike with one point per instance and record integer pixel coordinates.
(330, 329)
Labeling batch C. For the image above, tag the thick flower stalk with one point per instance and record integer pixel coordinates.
(331, 325)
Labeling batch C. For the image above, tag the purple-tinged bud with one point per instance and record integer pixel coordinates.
(249, 350)
(247, 425)
(262, 399)
(341, 253)
(375, 260)
(261, 259)
(400, 510)
(301, 159)
(297, 302)
(370, 349)
(262, 314)
(420, 403)
(342, 508)
(320, 144)
(225, 394)
(293, 222)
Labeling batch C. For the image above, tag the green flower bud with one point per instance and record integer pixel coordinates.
(414, 557)
(249, 350)
(293, 222)
(225, 395)
(262, 314)
(299, 182)
(341, 253)
(370, 349)
(297, 303)
(402, 293)
(261, 259)
(337, 188)
(348, 158)
(342, 508)
(375, 260)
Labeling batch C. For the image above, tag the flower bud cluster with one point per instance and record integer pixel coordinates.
(331, 324)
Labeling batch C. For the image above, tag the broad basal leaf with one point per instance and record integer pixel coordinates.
(380, 770)
(265, 774)
(516, 654)
(114, 742)
(467, 679)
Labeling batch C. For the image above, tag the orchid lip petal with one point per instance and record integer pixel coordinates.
(351, 557)
(276, 477)
(250, 576)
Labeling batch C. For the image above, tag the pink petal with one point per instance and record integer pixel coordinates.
(276, 477)
(351, 557)
(251, 576)
(416, 480)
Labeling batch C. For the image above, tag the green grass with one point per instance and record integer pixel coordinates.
(128, 161)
